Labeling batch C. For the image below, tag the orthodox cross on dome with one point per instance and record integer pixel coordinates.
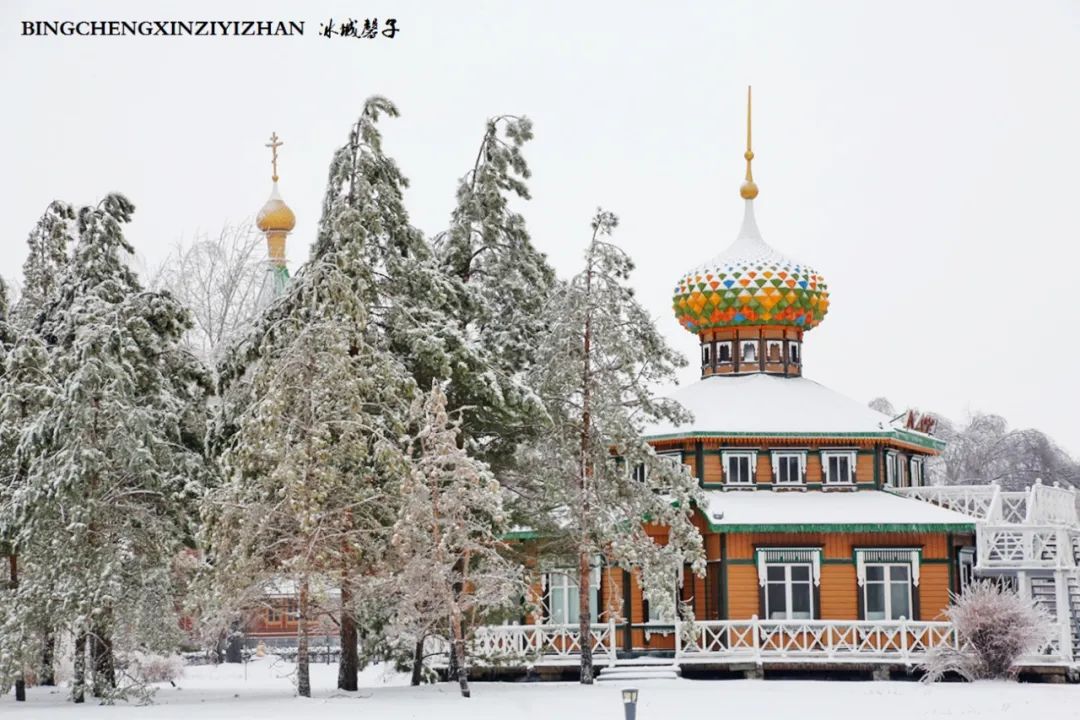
(749, 188)
(274, 144)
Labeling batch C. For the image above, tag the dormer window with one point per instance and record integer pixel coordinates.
(916, 472)
(739, 467)
(793, 352)
(789, 467)
(838, 466)
(749, 352)
(723, 352)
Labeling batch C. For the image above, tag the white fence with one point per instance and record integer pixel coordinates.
(722, 642)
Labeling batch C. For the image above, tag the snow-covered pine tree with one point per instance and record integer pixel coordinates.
(311, 469)
(448, 535)
(113, 463)
(596, 481)
(390, 270)
(25, 389)
(48, 247)
(502, 284)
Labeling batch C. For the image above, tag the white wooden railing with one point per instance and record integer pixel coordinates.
(904, 641)
(541, 644)
(734, 641)
(1024, 547)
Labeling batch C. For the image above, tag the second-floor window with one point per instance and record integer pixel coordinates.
(788, 467)
(838, 467)
(723, 352)
(739, 468)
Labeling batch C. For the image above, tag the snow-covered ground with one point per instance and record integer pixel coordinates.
(263, 691)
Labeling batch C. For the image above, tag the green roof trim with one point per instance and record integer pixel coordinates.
(905, 436)
(845, 527)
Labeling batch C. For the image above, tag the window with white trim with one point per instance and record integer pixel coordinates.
(739, 467)
(793, 352)
(888, 577)
(901, 471)
(788, 577)
(563, 598)
(966, 561)
(723, 352)
(774, 351)
(890, 469)
(916, 472)
(749, 351)
(838, 467)
(706, 354)
(789, 467)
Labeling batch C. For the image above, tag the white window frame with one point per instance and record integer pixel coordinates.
(751, 455)
(800, 455)
(887, 557)
(890, 468)
(731, 354)
(769, 344)
(706, 354)
(886, 583)
(566, 580)
(916, 474)
(788, 558)
(743, 345)
(794, 345)
(966, 567)
(826, 478)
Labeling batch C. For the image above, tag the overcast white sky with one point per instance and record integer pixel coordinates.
(923, 156)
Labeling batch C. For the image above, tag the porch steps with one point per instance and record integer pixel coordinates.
(640, 671)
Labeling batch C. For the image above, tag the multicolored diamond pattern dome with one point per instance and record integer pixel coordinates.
(750, 284)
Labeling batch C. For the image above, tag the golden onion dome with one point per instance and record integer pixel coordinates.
(275, 214)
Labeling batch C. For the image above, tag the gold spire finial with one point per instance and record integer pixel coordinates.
(274, 144)
(749, 188)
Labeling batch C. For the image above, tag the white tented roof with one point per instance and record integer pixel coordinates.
(821, 510)
(767, 404)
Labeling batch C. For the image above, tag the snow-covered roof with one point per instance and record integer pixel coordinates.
(761, 404)
(822, 510)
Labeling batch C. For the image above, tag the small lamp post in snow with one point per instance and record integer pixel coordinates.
(629, 699)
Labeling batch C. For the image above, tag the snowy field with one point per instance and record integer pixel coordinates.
(264, 692)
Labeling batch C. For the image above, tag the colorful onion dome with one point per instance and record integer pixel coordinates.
(750, 283)
(275, 214)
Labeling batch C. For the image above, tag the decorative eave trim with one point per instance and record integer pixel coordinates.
(902, 437)
(844, 527)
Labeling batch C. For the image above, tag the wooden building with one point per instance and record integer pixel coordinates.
(801, 530)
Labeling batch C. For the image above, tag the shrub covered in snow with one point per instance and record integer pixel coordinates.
(150, 668)
(995, 627)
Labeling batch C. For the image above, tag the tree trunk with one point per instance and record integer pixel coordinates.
(459, 650)
(303, 677)
(13, 582)
(48, 661)
(78, 680)
(104, 667)
(418, 663)
(349, 664)
(234, 645)
(584, 619)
